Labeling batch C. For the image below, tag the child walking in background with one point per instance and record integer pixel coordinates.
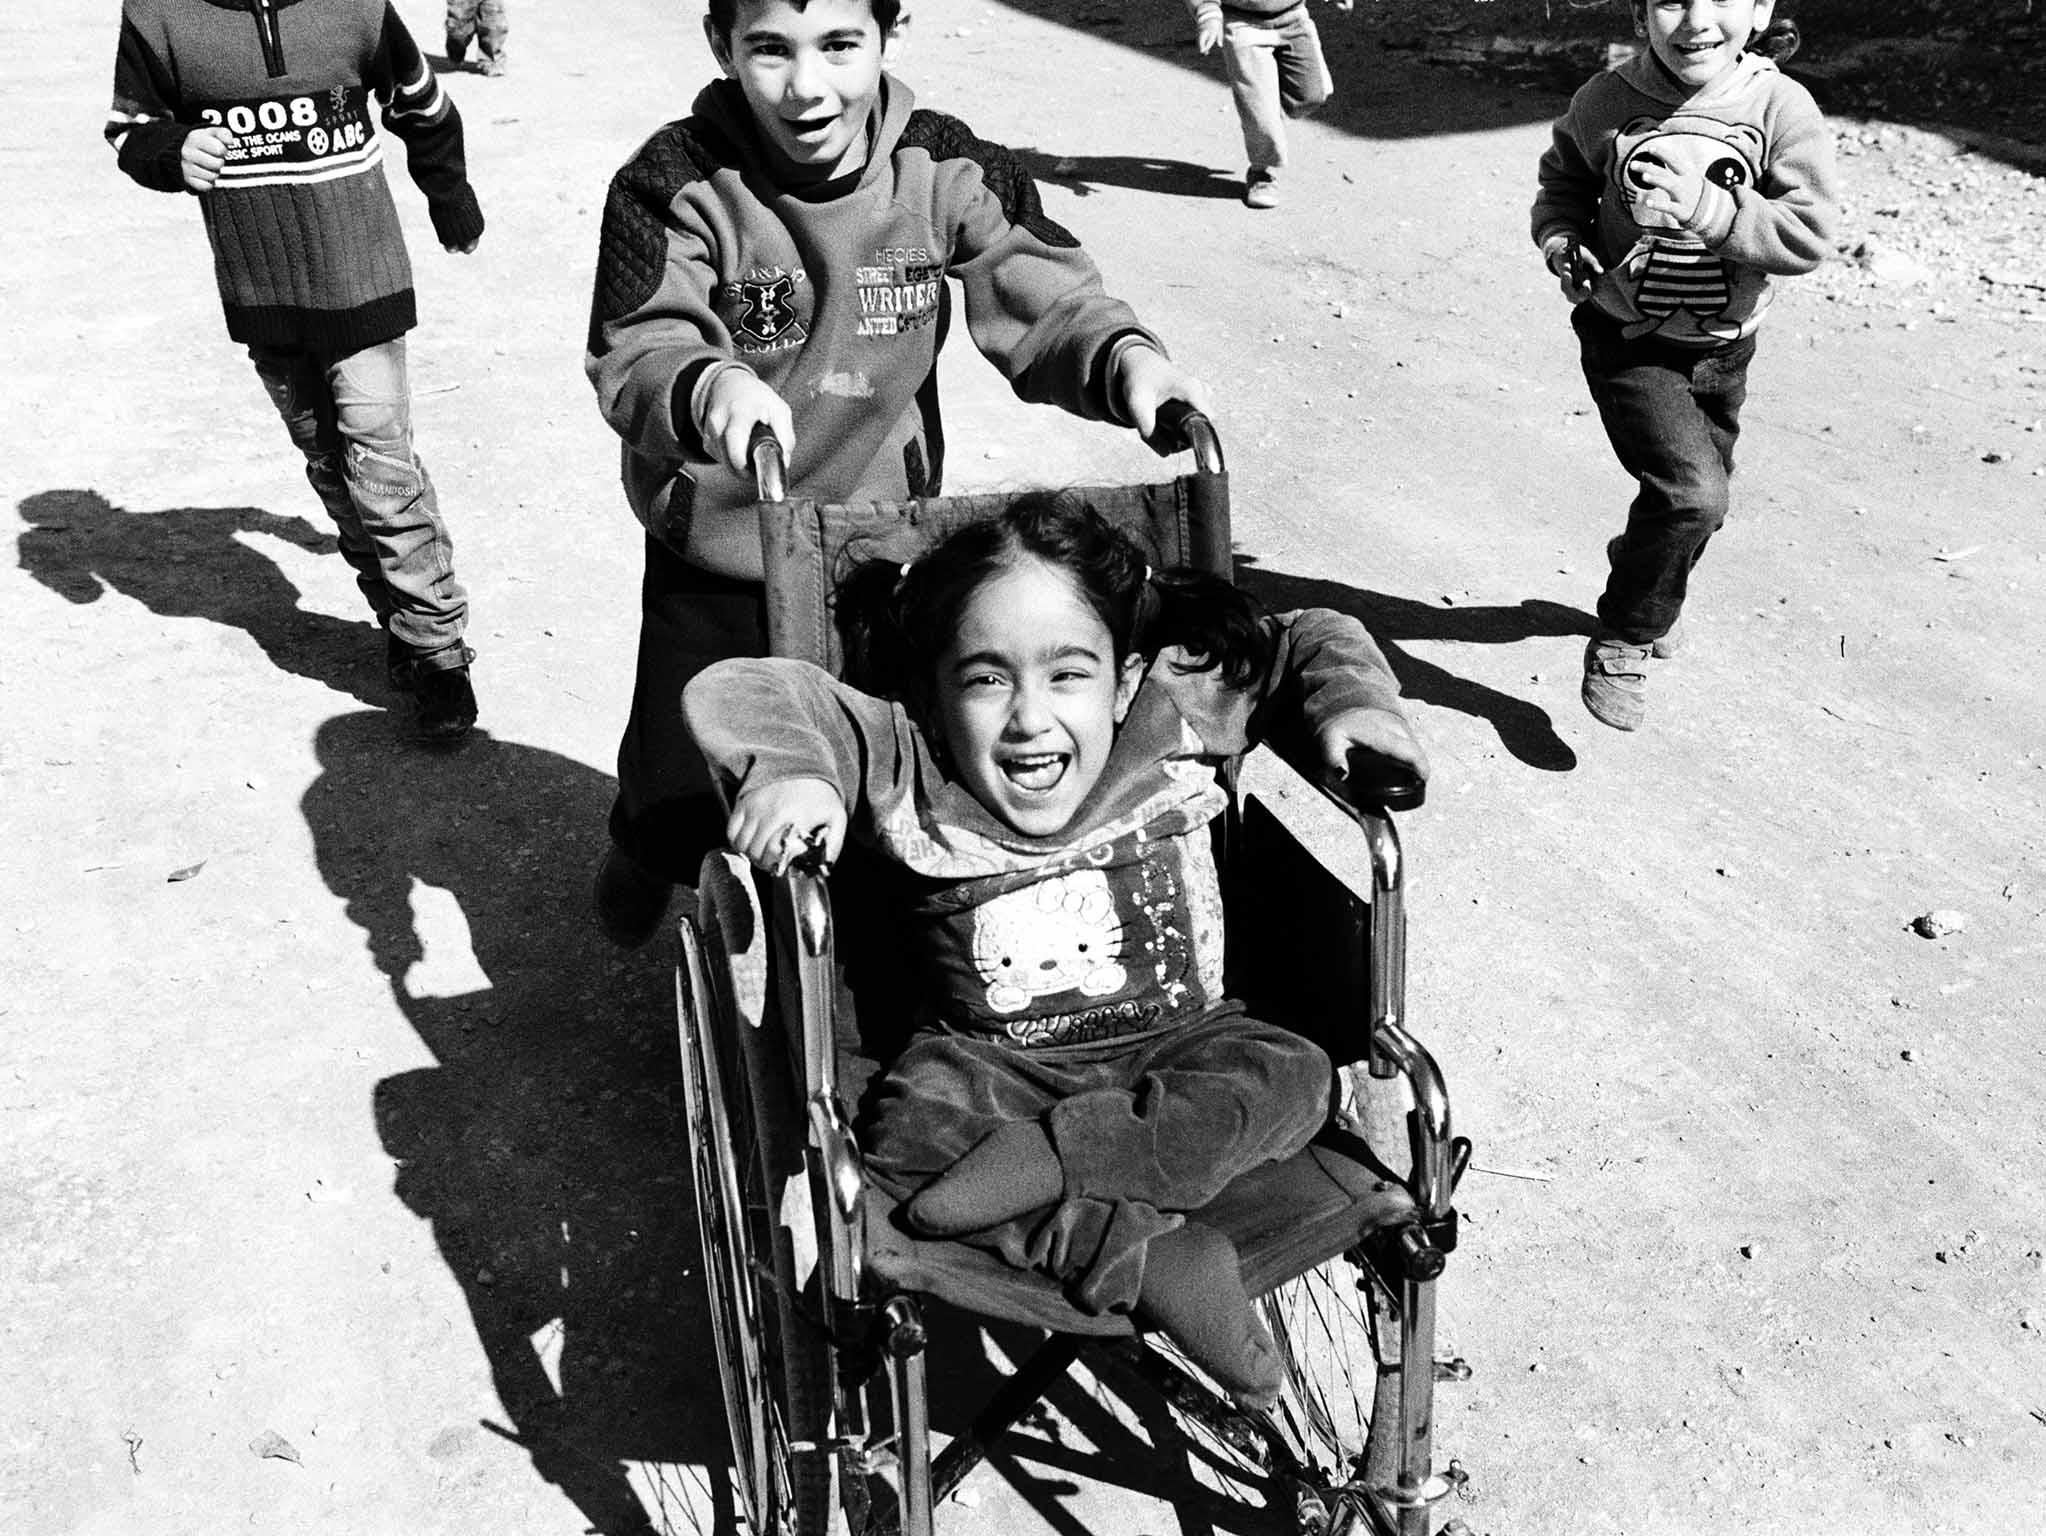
(1674, 189)
(486, 22)
(1044, 774)
(1272, 53)
(263, 111)
(782, 257)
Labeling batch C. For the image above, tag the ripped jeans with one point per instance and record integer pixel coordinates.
(351, 416)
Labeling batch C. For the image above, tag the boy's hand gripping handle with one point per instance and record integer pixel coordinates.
(1180, 427)
(770, 469)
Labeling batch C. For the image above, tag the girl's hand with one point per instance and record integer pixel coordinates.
(771, 824)
(202, 155)
(1574, 265)
(1665, 189)
(1384, 732)
(1146, 378)
(1208, 29)
(734, 403)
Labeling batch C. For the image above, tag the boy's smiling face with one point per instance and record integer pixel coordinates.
(810, 75)
(1697, 41)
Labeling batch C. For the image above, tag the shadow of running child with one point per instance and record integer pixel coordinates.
(1081, 174)
(199, 563)
(1525, 728)
(545, 1146)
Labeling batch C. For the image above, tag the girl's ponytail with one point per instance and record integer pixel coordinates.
(1777, 41)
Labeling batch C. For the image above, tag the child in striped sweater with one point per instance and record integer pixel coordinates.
(262, 109)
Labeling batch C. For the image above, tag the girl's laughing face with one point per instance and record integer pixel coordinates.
(1028, 697)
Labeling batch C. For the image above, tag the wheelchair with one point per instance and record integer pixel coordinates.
(818, 1293)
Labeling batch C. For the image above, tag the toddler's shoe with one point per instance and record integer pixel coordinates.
(631, 899)
(1671, 641)
(1261, 189)
(491, 64)
(1616, 682)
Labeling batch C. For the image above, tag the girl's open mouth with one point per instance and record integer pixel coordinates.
(1037, 772)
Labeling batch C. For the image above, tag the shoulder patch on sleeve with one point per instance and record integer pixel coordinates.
(946, 138)
(632, 245)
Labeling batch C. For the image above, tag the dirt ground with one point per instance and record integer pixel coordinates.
(341, 1176)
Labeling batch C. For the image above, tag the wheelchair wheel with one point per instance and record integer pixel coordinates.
(1323, 1326)
(751, 1186)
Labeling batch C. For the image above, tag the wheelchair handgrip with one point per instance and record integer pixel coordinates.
(770, 468)
(1180, 427)
(1382, 783)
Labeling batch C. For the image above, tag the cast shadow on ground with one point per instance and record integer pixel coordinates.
(545, 1147)
(1082, 174)
(196, 563)
(1524, 728)
(1396, 77)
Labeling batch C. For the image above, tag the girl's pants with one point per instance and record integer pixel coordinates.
(1672, 415)
(667, 816)
(1276, 71)
(1147, 1128)
(483, 20)
(351, 416)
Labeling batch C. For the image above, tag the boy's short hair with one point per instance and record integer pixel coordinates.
(723, 13)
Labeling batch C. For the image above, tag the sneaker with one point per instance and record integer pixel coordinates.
(1616, 682)
(631, 899)
(1670, 641)
(1261, 190)
(490, 64)
(456, 48)
(447, 704)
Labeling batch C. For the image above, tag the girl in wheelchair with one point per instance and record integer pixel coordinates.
(1039, 757)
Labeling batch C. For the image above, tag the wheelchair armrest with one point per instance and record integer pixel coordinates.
(1358, 845)
(1377, 783)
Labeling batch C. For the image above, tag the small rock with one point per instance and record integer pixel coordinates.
(1907, 1055)
(274, 1447)
(1992, 457)
(1939, 923)
(1894, 269)
(1749, 1250)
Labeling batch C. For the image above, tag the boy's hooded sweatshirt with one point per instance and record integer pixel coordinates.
(1769, 205)
(306, 243)
(1112, 926)
(835, 295)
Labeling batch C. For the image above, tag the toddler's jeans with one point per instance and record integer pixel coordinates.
(1672, 415)
(483, 20)
(1147, 1129)
(1276, 71)
(350, 414)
